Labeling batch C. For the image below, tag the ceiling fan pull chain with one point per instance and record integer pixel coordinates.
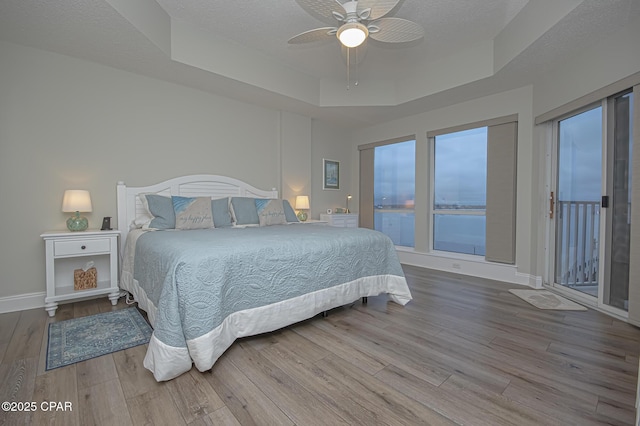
(356, 82)
(348, 66)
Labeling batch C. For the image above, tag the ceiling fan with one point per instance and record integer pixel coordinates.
(355, 20)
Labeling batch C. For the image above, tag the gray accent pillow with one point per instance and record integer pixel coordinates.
(243, 211)
(221, 214)
(289, 213)
(161, 209)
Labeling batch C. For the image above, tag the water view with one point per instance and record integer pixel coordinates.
(460, 234)
(459, 192)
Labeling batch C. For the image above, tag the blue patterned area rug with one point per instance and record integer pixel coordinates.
(79, 339)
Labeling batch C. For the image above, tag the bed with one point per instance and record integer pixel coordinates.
(203, 288)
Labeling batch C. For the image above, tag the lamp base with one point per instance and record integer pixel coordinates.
(302, 216)
(77, 223)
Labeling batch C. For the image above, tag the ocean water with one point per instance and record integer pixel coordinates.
(399, 226)
(455, 233)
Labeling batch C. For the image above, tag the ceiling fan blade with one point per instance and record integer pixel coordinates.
(396, 30)
(379, 8)
(319, 34)
(321, 9)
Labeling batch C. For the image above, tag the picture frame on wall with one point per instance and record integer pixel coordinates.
(330, 174)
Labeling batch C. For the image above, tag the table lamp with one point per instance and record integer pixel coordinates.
(302, 203)
(348, 198)
(76, 200)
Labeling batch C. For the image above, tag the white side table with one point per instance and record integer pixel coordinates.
(67, 251)
(310, 222)
(344, 220)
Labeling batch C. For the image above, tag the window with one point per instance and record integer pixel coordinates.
(472, 189)
(460, 191)
(394, 191)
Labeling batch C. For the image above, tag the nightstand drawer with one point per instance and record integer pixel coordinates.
(339, 221)
(347, 222)
(343, 220)
(80, 247)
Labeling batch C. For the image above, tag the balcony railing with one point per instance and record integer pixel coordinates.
(577, 242)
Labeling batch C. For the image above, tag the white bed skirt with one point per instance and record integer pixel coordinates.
(167, 362)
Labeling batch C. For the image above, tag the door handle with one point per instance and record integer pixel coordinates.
(552, 204)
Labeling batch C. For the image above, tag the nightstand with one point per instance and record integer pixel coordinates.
(67, 251)
(311, 222)
(344, 220)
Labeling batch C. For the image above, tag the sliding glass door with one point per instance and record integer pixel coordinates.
(579, 188)
(590, 204)
(616, 291)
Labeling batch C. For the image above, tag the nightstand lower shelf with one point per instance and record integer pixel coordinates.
(68, 293)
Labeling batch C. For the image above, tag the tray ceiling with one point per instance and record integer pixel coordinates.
(239, 49)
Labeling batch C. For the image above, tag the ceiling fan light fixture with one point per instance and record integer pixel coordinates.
(352, 34)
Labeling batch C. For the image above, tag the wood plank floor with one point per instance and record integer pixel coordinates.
(464, 351)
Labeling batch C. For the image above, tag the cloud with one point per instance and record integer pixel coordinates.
(461, 168)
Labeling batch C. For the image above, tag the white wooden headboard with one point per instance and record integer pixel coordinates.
(130, 206)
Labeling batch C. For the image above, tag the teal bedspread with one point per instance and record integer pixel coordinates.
(197, 278)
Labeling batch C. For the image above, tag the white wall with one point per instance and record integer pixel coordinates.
(67, 123)
(296, 145)
(589, 69)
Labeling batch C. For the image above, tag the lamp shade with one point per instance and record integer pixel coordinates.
(352, 34)
(302, 202)
(76, 200)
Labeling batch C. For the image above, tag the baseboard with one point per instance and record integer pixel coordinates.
(476, 268)
(22, 302)
(534, 280)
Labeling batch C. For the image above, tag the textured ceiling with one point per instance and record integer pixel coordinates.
(265, 26)
(239, 48)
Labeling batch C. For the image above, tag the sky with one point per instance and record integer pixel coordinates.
(580, 157)
(460, 170)
(394, 174)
